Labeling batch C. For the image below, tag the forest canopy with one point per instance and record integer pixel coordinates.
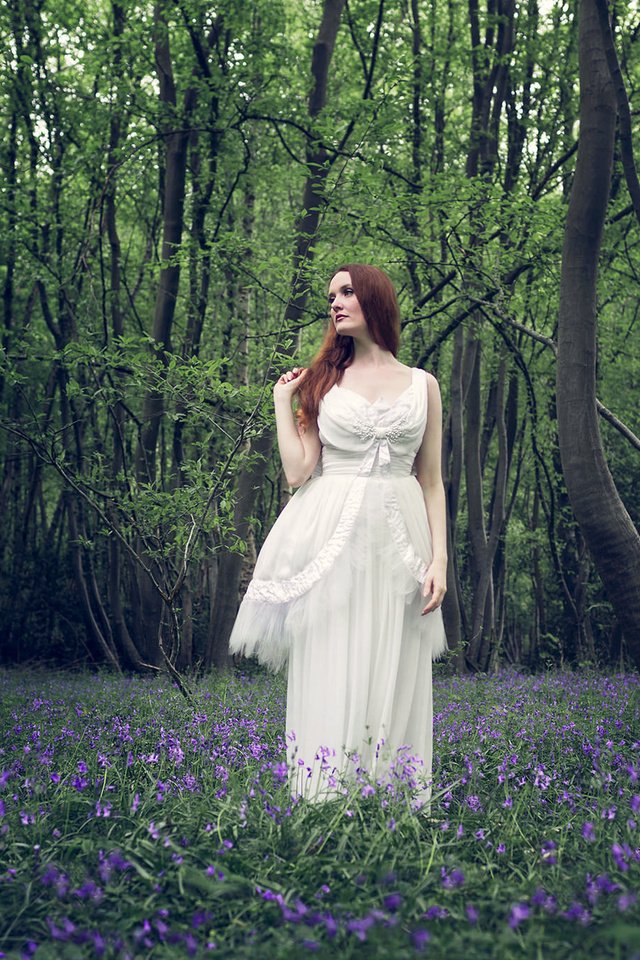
(179, 180)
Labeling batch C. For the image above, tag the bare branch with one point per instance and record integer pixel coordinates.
(624, 113)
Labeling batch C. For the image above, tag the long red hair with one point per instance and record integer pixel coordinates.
(379, 303)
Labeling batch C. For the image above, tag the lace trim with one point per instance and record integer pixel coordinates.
(283, 591)
(376, 432)
(414, 563)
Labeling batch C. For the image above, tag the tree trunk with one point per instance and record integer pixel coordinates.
(606, 526)
(230, 564)
(453, 452)
(477, 533)
(313, 200)
(149, 609)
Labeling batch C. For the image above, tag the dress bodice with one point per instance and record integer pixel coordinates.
(379, 438)
(362, 514)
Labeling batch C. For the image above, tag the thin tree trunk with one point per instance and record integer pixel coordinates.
(121, 635)
(489, 60)
(313, 200)
(624, 111)
(475, 502)
(94, 629)
(230, 564)
(149, 611)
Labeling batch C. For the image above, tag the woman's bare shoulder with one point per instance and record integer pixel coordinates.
(431, 379)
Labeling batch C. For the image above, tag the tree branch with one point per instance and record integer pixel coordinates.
(604, 412)
(624, 113)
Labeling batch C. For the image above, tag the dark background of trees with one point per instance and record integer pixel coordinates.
(179, 179)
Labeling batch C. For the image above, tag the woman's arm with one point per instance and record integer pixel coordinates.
(299, 450)
(429, 473)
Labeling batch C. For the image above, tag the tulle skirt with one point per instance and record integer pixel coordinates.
(345, 612)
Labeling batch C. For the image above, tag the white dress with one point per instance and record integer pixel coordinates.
(336, 591)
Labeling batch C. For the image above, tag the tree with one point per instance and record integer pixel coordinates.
(165, 251)
(607, 527)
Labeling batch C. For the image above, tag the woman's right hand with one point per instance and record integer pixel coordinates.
(288, 384)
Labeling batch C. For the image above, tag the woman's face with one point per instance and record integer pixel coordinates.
(346, 312)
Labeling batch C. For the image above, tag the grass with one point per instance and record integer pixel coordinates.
(134, 826)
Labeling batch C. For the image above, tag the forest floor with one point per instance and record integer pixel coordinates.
(133, 825)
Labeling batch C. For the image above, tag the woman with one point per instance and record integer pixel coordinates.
(349, 582)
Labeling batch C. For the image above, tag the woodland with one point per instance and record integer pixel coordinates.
(179, 179)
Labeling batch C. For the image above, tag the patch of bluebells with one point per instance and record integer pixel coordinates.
(451, 879)
(359, 928)
(505, 748)
(149, 934)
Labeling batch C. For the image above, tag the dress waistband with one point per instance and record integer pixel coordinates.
(342, 463)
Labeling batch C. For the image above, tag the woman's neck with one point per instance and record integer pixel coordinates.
(366, 353)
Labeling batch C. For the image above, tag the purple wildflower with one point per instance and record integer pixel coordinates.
(62, 933)
(331, 926)
(453, 879)
(420, 938)
(626, 900)
(618, 854)
(436, 913)
(577, 911)
(519, 912)
(280, 772)
(543, 899)
(392, 902)
(542, 779)
(359, 927)
(548, 852)
(201, 917)
(588, 832)
(153, 830)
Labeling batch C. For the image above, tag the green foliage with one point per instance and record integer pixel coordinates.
(86, 176)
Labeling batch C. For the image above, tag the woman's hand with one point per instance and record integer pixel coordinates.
(435, 585)
(288, 384)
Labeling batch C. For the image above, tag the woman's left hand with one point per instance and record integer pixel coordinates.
(435, 585)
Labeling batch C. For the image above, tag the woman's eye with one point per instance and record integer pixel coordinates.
(347, 292)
